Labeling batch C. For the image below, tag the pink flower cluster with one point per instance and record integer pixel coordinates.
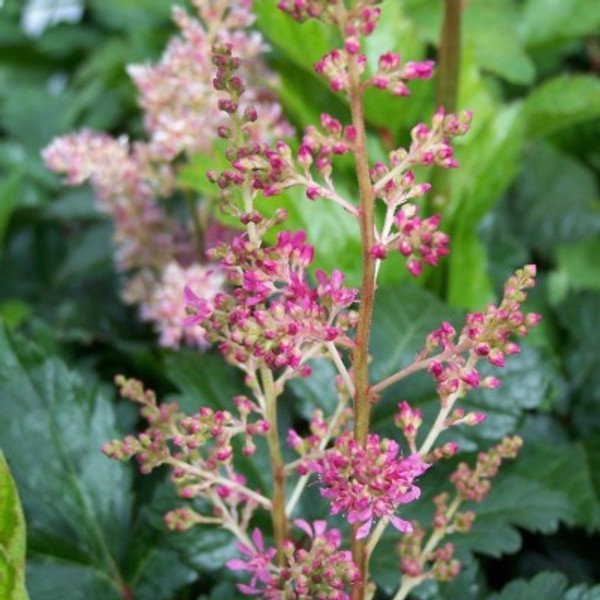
(126, 184)
(317, 570)
(177, 95)
(474, 484)
(485, 335)
(392, 76)
(166, 307)
(417, 239)
(198, 447)
(273, 313)
(182, 119)
(368, 482)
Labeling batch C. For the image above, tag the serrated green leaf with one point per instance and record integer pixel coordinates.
(12, 538)
(555, 201)
(570, 469)
(78, 502)
(513, 503)
(582, 592)
(562, 102)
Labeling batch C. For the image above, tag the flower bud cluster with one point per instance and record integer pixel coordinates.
(417, 239)
(334, 68)
(439, 564)
(474, 484)
(361, 18)
(315, 569)
(176, 93)
(393, 76)
(368, 482)
(273, 314)
(198, 447)
(271, 170)
(436, 561)
(485, 335)
(408, 420)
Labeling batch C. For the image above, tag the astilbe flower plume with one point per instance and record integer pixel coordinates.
(313, 570)
(486, 335)
(273, 313)
(199, 448)
(181, 118)
(369, 482)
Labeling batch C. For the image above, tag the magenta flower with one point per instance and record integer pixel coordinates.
(259, 563)
(368, 483)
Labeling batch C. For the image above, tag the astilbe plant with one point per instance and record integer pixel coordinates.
(272, 313)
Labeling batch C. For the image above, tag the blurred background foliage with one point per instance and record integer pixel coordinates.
(527, 191)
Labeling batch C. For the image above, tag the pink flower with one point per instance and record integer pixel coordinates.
(259, 563)
(368, 483)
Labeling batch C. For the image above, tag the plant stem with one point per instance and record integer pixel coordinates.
(408, 583)
(333, 424)
(417, 366)
(360, 358)
(448, 73)
(439, 424)
(278, 515)
(448, 70)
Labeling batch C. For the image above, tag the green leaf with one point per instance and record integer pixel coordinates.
(118, 14)
(571, 469)
(491, 27)
(492, 160)
(578, 263)
(545, 23)
(12, 538)
(34, 117)
(555, 201)
(13, 312)
(582, 592)
(549, 586)
(316, 391)
(204, 378)
(10, 191)
(513, 503)
(546, 586)
(91, 252)
(562, 102)
(78, 503)
(303, 44)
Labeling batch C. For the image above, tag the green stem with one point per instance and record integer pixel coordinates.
(360, 358)
(448, 71)
(199, 228)
(448, 74)
(278, 516)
